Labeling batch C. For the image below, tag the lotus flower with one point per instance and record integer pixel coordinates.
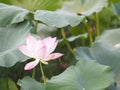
(40, 50)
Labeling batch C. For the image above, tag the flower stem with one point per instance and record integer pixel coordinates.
(97, 24)
(83, 39)
(35, 28)
(7, 87)
(68, 45)
(90, 34)
(33, 73)
(42, 72)
(60, 61)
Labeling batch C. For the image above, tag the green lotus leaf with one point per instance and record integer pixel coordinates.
(86, 75)
(10, 38)
(85, 7)
(11, 14)
(34, 5)
(57, 19)
(116, 8)
(105, 49)
(28, 83)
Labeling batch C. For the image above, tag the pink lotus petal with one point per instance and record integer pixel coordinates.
(40, 50)
(52, 48)
(31, 65)
(24, 49)
(40, 43)
(41, 53)
(54, 56)
(31, 41)
(51, 44)
(47, 39)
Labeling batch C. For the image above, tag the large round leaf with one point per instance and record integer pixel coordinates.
(28, 83)
(57, 19)
(105, 49)
(10, 38)
(86, 75)
(38, 4)
(85, 7)
(83, 53)
(11, 14)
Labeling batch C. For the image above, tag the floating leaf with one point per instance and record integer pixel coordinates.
(83, 53)
(10, 38)
(85, 7)
(28, 83)
(106, 50)
(57, 19)
(11, 14)
(86, 75)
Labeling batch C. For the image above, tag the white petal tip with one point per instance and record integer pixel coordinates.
(117, 45)
(44, 62)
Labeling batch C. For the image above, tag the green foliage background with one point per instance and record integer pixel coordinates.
(88, 34)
